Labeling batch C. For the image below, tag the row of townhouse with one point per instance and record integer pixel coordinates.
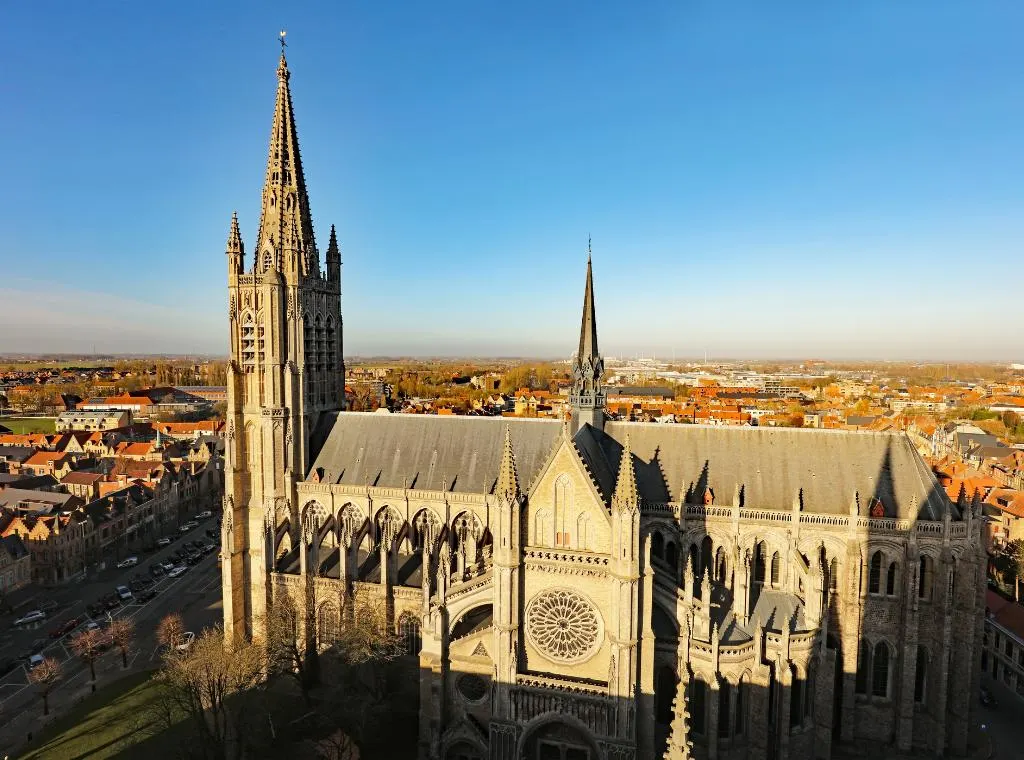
(129, 503)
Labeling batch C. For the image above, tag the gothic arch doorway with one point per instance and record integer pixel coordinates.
(558, 741)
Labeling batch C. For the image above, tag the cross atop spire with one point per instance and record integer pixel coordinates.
(285, 237)
(587, 395)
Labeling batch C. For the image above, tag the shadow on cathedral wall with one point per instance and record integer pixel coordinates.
(814, 632)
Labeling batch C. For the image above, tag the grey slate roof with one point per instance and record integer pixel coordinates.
(673, 462)
(773, 465)
(430, 452)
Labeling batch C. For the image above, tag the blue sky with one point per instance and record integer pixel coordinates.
(784, 179)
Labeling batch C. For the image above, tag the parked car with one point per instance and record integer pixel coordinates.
(95, 609)
(204, 514)
(156, 570)
(112, 601)
(179, 570)
(124, 593)
(163, 542)
(146, 596)
(31, 617)
(128, 562)
(65, 628)
(186, 641)
(35, 661)
(92, 625)
(208, 548)
(167, 566)
(194, 559)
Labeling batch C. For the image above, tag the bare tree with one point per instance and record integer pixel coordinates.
(291, 644)
(44, 677)
(212, 685)
(171, 631)
(122, 632)
(88, 645)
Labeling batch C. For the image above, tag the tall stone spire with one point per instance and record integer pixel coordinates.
(587, 396)
(286, 241)
(508, 479)
(627, 496)
(235, 249)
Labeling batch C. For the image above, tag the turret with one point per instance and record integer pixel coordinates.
(235, 248)
(334, 261)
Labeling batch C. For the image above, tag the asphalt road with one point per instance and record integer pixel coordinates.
(196, 595)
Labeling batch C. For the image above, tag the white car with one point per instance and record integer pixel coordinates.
(186, 641)
(179, 570)
(124, 593)
(128, 562)
(204, 514)
(163, 542)
(31, 617)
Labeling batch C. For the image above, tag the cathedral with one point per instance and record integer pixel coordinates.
(588, 589)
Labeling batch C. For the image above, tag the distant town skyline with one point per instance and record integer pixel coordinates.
(842, 184)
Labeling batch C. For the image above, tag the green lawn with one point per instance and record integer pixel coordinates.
(29, 424)
(106, 725)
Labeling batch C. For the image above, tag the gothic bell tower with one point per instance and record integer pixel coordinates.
(286, 369)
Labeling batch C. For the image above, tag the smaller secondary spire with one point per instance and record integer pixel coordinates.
(627, 495)
(508, 479)
(235, 237)
(332, 245)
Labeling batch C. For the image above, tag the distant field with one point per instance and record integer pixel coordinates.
(29, 424)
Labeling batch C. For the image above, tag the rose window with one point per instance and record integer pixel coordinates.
(563, 625)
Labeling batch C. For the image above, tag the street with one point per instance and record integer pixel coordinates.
(196, 595)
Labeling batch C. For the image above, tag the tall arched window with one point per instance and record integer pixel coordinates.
(672, 555)
(563, 508)
(921, 674)
(698, 706)
(542, 528)
(723, 709)
(875, 574)
(880, 670)
(796, 698)
(776, 569)
(327, 628)
(332, 347)
(248, 343)
(582, 532)
(694, 561)
(926, 568)
(409, 633)
(833, 575)
(890, 580)
(741, 707)
(657, 545)
(863, 667)
(705, 556)
(720, 564)
(759, 563)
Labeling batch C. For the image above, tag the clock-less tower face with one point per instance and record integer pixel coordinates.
(564, 625)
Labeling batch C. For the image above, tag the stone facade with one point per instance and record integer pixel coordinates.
(591, 589)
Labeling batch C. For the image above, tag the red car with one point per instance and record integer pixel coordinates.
(65, 628)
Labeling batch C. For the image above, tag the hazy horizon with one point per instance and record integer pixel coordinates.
(772, 183)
